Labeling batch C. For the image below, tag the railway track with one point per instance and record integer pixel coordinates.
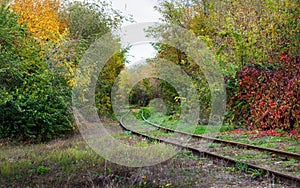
(284, 154)
(196, 141)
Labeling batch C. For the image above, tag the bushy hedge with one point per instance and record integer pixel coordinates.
(32, 104)
(39, 116)
(267, 97)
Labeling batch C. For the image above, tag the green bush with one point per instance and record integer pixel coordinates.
(32, 107)
(146, 113)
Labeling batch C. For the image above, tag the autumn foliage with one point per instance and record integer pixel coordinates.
(41, 17)
(255, 44)
(268, 97)
(38, 55)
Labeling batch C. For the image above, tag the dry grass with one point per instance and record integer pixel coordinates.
(71, 163)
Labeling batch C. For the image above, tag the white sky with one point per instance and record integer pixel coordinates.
(141, 11)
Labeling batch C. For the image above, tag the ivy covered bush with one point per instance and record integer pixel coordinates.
(267, 97)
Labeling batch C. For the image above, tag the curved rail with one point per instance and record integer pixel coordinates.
(287, 155)
(295, 181)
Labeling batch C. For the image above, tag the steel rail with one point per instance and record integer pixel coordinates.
(294, 181)
(287, 155)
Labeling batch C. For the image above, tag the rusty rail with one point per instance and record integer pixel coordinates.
(294, 181)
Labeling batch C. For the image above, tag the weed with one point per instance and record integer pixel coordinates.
(242, 166)
(281, 143)
(213, 145)
(290, 162)
(42, 170)
(128, 133)
(292, 149)
(256, 173)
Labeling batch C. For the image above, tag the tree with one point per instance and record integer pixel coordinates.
(41, 18)
(107, 78)
(239, 32)
(30, 107)
(89, 21)
(37, 65)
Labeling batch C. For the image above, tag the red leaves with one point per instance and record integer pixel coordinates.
(272, 133)
(265, 114)
(268, 98)
(294, 133)
(273, 105)
(237, 131)
(284, 57)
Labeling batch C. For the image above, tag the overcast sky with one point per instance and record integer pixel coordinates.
(141, 11)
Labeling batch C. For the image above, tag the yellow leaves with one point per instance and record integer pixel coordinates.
(235, 3)
(70, 74)
(167, 185)
(41, 17)
(70, 82)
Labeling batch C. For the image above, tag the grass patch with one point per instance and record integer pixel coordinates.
(282, 143)
(59, 162)
(74, 164)
(176, 124)
(63, 156)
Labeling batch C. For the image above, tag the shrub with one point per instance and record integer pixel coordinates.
(31, 106)
(267, 97)
(146, 113)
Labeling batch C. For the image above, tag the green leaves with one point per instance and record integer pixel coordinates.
(256, 44)
(37, 66)
(88, 21)
(29, 104)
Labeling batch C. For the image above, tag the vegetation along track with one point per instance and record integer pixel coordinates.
(267, 157)
(285, 155)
